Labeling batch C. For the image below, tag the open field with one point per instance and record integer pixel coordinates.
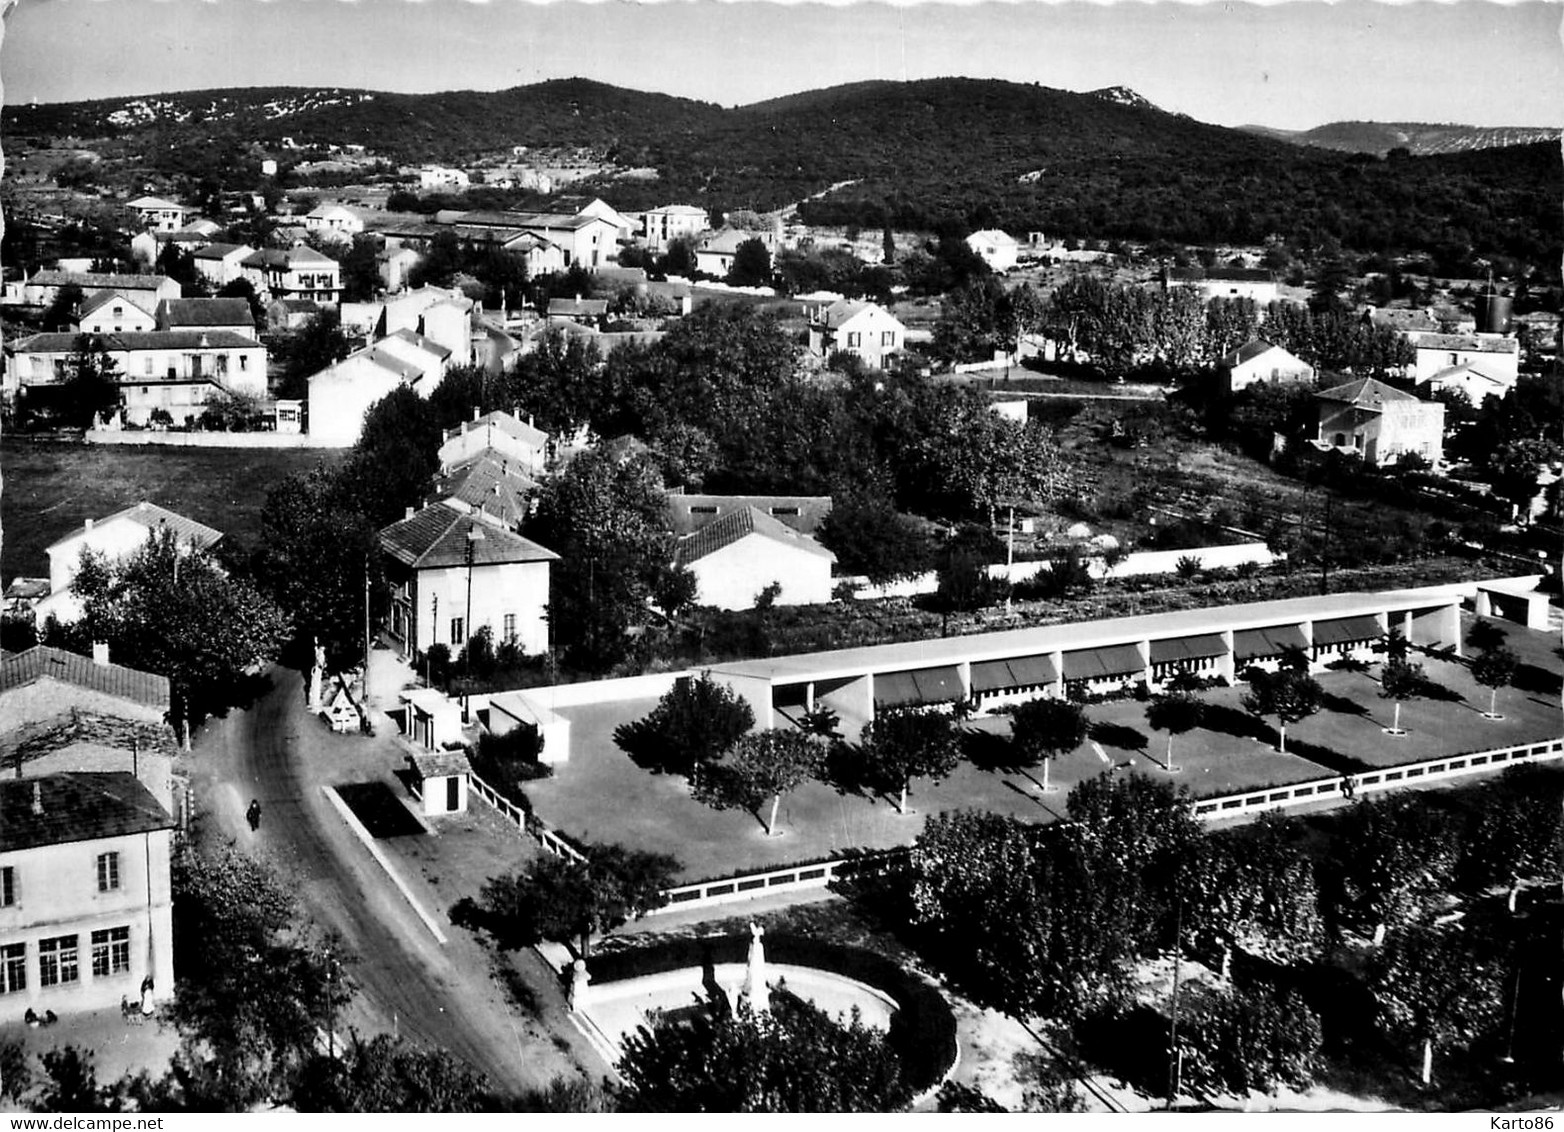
(600, 794)
(52, 487)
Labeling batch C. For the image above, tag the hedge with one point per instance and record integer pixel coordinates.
(923, 1028)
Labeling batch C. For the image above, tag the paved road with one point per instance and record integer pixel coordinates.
(438, 996)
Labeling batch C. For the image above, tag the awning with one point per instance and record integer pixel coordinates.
(1094, 664)
(920, 686)
(1018, 672)
(1344, 629)
(1187, 648)
(1250, 643)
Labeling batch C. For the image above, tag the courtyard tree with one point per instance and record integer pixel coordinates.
(1400, 681)
(1515, 832)
(1390, 859)
(793, 1057)
(1485, 634)
(1175, 713)
(172, 610)
(1434, 988)
(693, 723)
(1495, 669)
(1287, 695)
(1045, 729)
(90, 392)
(902, 743)
(761, 766)
(575, 899)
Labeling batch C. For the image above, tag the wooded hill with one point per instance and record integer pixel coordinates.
(1418, 138)
(959, 152)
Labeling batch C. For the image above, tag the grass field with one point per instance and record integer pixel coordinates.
(51, 488)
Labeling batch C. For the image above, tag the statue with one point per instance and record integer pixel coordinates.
(316, 675)
(754, 988)
(579, 980)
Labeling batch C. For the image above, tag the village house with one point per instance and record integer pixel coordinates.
(997, 249)
(431, 358)
(160, 215)
(293, 273)
(394, 264)
(146, 247)
(221, 264)
(583, 312)
(542, 257)
(85, 896)
(662, 226)
(715, 254)
(109, 312)
(1259, 361)
(1379, 423)
(454, 571)
(230, 315)
(1497, 356)
(177, 371)
(489, 483)
(439, 177)
(1471, 379)
(115, 537)
(523, 447)
(690, 511)
(144, 290)
(341, 394)
(736, 557)
(333, 222)
(1252, 283)
(865, 330)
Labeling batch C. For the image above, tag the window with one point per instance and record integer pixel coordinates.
(108, 872)
(13, 968)
(57, 961)
(854, 339)
(222, 365)
(244, 362)
(458, 638)
(510, 626)
(888, 338)
(110, 952)
(784, 510)
(147, 365)
(702, 510)
(7, 887)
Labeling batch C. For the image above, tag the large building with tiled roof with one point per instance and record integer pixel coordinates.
(454, 570)
(294, 273)
(147, 290)
(1379, 422)
(690, 511)
(42, 683)
(85, 895)
(117, 536)
(506, 436)
(737, 556)
(490, 483)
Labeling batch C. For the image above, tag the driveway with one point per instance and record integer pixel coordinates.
(438, 996)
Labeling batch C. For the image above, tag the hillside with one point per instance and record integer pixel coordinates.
(918, 155)
(1421, 139)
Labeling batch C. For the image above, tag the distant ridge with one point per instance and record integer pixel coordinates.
(1418, 138)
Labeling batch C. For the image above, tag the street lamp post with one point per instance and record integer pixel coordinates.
(474, 537)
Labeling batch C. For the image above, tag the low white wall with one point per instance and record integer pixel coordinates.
(555, 696)
(210, 439)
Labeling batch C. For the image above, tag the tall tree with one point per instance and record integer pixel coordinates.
(1495, 669)
(693, 723)
(1435, 988)
(1390, 858)
(761, 766)
(1175, 713)
(870, 537)
(903, 743)
(1044, 729)
(1400, 680)
(751, 264)
(1515, 832)
(91, 391)
(174, 611)
(1288, 695)
(394, 461)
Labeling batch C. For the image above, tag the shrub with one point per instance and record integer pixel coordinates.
(694, 722)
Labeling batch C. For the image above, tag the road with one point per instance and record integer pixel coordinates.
(437, 996)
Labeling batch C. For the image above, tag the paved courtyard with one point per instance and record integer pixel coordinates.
(600, 794)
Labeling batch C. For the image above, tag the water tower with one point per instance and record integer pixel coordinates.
(1493, 311)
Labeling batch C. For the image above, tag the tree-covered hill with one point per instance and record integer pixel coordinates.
(1418, 138)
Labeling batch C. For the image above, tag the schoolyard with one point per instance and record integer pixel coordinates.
(600, 794)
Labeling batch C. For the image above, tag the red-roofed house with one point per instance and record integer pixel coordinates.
(85, 895)
(738, 555)
(453, 571)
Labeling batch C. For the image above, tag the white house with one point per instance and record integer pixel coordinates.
(736, 557)
(293, 273)
(662, 226)
(1473, 379)
(415, 349)
(394, 264)
(624, 227)
(115, 537)
(438, 177)
(1254, 284)
(333, 222)
(1497, 355)
(997, 249)
(85, 895)
(341, 394)
(109, 312)
(542, 257)
(146, 247)
(160, 215)
(454, 571)
(523, 447)
(220, 264)
(866, 330)
(1259, 361)
(715, 254)
(1379, 423)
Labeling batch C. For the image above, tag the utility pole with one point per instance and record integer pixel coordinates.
(1325, 549)
(1175, 1055)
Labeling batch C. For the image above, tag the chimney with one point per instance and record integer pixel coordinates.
(475, 412)
(408, 514)
(100, 652)
(37, 800)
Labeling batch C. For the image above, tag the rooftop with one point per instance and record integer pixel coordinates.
(1248, 352)
(428, 345)
(100, 280)
(61, 809)
(501, 421)
(153, 517)
(205, 312)
(1365, 392)
(803, 513)
(1481, 343)
(437, 537)
(18, 670)
(735, 525)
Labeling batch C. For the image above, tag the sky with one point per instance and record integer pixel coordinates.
(1287, 65)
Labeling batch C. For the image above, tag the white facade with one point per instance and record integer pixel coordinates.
(524, 447)
(1273, 364)
(662, 226)
(160, 215)
(115, 314)
(1498, 356)
(866, 330)
(511, 598)
(340, 395)
(732, 577)
(437, 177)
(1472, 379)
(334, 222)
(997, 249)
(219, 264)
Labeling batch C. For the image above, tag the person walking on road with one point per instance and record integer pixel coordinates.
(253, 815)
